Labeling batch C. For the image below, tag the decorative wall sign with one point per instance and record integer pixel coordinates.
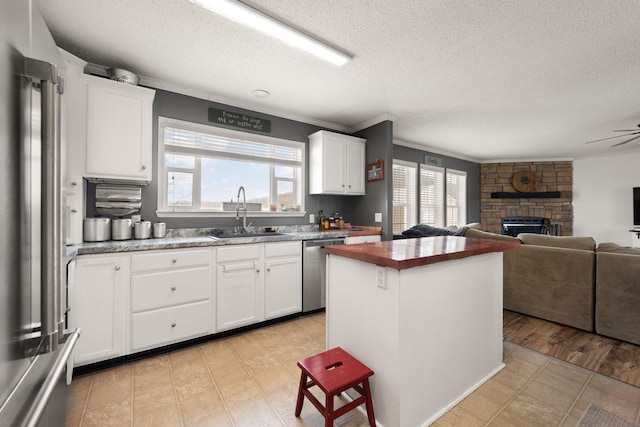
(242, 121)
(432, 161)
(375, 171)
(524, 181)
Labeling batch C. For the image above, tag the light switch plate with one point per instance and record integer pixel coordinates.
(381, 277)
(378, 217)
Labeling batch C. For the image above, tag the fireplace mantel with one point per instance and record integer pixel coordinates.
(526, 195)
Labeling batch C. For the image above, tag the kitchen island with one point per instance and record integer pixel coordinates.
(424, 314)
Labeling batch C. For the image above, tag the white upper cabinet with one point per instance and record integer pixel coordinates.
(337, 164)
(118, 129)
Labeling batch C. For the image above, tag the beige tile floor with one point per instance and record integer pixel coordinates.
(251, 379)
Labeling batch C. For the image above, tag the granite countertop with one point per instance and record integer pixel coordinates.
(407, 253)
(194, 238)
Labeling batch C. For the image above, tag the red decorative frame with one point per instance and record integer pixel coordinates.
(375, 171)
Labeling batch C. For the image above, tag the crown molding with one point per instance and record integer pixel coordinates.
(529, 160)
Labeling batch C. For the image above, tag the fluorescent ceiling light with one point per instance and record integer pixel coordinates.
(246, 15)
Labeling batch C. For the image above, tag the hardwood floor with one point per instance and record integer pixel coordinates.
(607, 356)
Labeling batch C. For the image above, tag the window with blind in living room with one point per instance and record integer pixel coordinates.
(456, 198)
(428, 195)
(404, 195)
(432, 195)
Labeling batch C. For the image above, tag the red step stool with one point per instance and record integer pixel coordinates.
(335, 371)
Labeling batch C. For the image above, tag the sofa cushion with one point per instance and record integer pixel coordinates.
(617, 249)
(567, 242)
(618, 292)
(479, 234)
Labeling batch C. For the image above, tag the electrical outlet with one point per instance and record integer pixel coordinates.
(378, 217)
(381, 277)
(312, 219)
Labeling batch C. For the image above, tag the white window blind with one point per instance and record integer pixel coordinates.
(456, 198)
(432, 196)
(404, 195)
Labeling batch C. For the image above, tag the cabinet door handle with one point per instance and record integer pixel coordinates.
(268, 268)
(174, 260)
(74, 210)
(117, 267)
(173, 324)
(74, 183)
(144, 167)
(173, 288)
(342, 185)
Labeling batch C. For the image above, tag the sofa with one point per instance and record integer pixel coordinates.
(549, 277)
(617, 309)
(569, 280)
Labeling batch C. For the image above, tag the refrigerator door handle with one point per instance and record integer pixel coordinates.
(45, 76)
(41, 400)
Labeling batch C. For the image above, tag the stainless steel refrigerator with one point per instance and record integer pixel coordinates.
(33, 346)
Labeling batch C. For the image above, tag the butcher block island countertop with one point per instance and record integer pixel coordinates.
(407, 253)
(424, 314)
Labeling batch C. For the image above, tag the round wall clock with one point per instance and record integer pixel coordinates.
(524, 181)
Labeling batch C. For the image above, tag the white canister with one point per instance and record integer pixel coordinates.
(159, 230)
(142, 230)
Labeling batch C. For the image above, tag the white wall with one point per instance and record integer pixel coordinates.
(602, 197)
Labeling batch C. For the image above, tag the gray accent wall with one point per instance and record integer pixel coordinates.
(358, 210)
(182, 107)
(378, 193)
(473, 174)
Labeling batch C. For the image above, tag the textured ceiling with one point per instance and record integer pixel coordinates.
(483, 80)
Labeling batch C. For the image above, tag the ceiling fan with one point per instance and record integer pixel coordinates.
(635, 132)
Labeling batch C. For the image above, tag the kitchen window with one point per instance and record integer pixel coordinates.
(202, 167)
(435, 195)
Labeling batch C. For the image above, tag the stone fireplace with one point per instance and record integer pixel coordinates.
(548, 196)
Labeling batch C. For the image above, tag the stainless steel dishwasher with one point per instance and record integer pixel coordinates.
(314, 272)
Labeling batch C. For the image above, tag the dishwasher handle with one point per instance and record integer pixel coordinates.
(322, 243)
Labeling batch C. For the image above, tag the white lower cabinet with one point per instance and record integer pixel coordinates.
(126, 303)
(283, 279)
(240, 286)
(100, 306)
(171, 297)
(258, 282)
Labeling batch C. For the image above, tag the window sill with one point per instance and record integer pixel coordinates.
(186, 214)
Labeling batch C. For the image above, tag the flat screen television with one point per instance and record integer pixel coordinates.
(636, 207)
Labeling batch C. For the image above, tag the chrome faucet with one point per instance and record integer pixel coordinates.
(244, 209)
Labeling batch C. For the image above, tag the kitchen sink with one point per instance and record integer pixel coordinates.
(245, 235)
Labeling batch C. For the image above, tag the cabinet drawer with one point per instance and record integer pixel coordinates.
(282, 249)
(164, 289)
(162, 260)
(238, 253)
(160, 327)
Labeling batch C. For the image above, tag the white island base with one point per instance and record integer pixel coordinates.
(432, 334)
